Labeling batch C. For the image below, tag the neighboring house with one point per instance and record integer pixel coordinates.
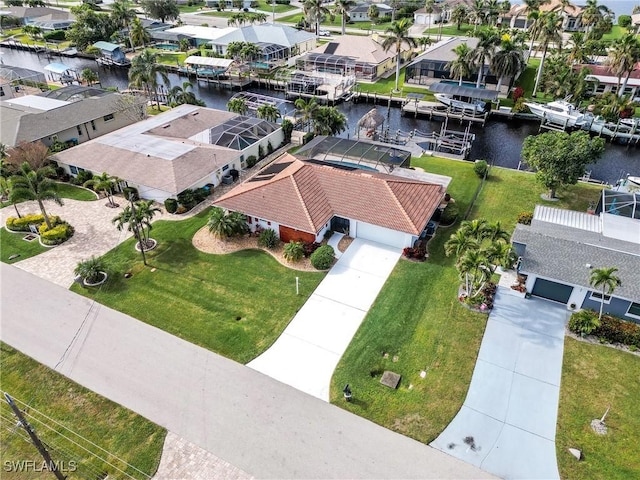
(18, 82)
(111, 54)
(441, 12)
(186, 147)
(352, 54)
(606, 81)
(73, 114)
(301, 200)
(561, 247)
(46, 18)
(571, 15)
(360, 13)
(635, 21)
(228, 4)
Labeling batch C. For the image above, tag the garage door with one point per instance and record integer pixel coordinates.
(558, 292)
(291, 234)
(382, 235)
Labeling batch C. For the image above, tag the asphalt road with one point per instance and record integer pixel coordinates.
(266, 428)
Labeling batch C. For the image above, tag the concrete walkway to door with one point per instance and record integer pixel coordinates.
(307, 352)
(507, 425)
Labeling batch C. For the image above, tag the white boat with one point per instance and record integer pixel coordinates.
(470, 105)
(559, 111)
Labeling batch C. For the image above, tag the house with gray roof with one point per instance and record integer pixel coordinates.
(72, 114)
(184, 148)
(560, 248)
(360, 13)
(46, 18)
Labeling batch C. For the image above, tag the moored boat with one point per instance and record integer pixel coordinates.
(558, 111)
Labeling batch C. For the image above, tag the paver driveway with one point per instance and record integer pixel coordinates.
(507, 424)
(307, 352)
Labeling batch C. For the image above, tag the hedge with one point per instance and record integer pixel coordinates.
(322, 258)
(611, 329)
(57, 234)
(22, 224)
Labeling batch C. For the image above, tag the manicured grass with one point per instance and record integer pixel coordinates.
(508, 192)
(191, 8)
(384, 86)
(235, 305)
(593, 378)
(153, 110)
(450, 29)
(528, 80)
(266, 7)
(171, 58)
(336, 22)
(224, 13)
(419, 323)
(616, 33)
(13, 243)
(66, 190)
(117, 430)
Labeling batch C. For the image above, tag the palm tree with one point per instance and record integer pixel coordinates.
(268, 112)
(577, 53)
(145, 211)
(122, 15)
(485, 49)
(605, 278)
(250, 51)
(138, 33)
(424, 42)
(144, 73)
(475, 229)
(459, 243)
(623, 58)
(315, 11)
(224, 224)
(477, 14)
(593, 14)
(237, 105)
(342, 8)
(508, 61)
(459, 15)
(103, 183)
(308, 109)
(181, 95)
(474, 270)
(89, 76)
(429, 7)
(29, 184)
(461, 66)
(549, 31)
(492, 11)
(373, 13)
(397, 35)
(328, 121)
(495, 233)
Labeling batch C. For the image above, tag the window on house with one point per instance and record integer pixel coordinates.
(268, 223)
(73, 170)
(79, 130)
(597, 296)
(225, 168)
(107, 118)
(93, 125)
(634, 310)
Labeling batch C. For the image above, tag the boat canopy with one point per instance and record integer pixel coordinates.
(459, 91)
(59, 68)
(209, 61)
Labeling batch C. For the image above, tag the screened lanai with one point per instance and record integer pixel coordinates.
(324, 62)
(343, 152)
(273, 51)
(240, 132)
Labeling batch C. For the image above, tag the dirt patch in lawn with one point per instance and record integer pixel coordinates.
(207, 243)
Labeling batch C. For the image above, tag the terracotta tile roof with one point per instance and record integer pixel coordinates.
(305, 196)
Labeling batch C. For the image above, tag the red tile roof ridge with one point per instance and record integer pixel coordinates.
(299, 193)
(399, 203)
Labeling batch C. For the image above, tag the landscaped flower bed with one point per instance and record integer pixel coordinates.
(59, 232)
(608, 329)
(482, 302)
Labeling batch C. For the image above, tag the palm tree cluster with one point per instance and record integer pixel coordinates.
(322, 120)
(246, 18)
(225, 224)
(479, 247)
(182, 95)
(486, 12)
(315, 12)
(238, 105)
(245, 51)
(268, 112)
(140, 223)
(144, 73)
(104, 183)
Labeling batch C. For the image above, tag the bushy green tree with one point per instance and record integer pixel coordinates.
(322, 258)
(293, 251)
(163, 10)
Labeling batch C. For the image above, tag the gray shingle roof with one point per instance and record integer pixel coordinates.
(562, 253)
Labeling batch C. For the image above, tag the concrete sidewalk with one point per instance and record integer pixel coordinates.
(258, 425)
(309, 349)
(507, 424)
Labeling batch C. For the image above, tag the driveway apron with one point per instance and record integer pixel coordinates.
(307, 352)
(507, 424)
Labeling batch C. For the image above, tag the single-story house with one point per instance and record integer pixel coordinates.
(301, 200)
(186, 147)
(18, 81)
(48, 19)
(561, 247)
(360, 13)
(352, 54)
(571, 15)
(72, 114)
(441, 12)
(604, 80)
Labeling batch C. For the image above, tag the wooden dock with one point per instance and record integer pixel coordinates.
(439, 111)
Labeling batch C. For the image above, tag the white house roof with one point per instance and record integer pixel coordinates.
(265, 33)
(208, 61)
(37, 103)
(568, 218)
(204, 33)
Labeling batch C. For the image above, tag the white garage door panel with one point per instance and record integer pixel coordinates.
(382, 235)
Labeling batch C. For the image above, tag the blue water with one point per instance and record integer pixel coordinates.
(167, 46)
(354, 165)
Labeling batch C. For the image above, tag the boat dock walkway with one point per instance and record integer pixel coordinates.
(438, 110)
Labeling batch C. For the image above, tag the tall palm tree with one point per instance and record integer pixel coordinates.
(29, 184)
(180, 95)
(492, 11)
(459, 243)
(145, 211)
(606, 279)
(144, 73)
(593, 14)
(237, 105)
(477, 14)
(342, 8)
(268, 112)
(508, 61)
(308, 110)
(549, 31)
(459, 15)
(315, 11)
(103, 183)
(250, 52)
(461, 66)
(429, 7)
(89, 76)
(485, 50)
(138, 33)
(373, 13)
(473, 267)
(329, 121)
(623, 58)
(397, 35)
(122, 15)
(577, 52)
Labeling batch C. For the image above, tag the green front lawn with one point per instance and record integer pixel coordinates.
(383, 86)
(224, 13)
(450, 29)
(235, 305)
(191, 8)
(13, 244)
(416, 324)
(528, 80)
(66, 190)
(77, 410)
(595, 377)
(336, 22)
(268, 8)
(616, 33)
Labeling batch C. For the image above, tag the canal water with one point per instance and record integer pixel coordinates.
(499, 141)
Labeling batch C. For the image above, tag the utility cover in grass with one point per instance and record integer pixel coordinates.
(390, 379)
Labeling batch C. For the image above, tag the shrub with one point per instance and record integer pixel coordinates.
(419, 253)
(260, 152)
(625, 21)
(57, 234)
(171, 204)
(519, 106)
(616, 330)
(517, 93)
(287, 130)
(323, 257)
(90, 270)
(293, 251)
(481, 167)
(22, 224)
(269, 148)
(307, 137)
(525, 218)
(449, 214)
(56, 35)
(84, 176)
(310, 247)
(128, 192)
(584, 322)
(268, 239)
(251, 161)
(188, 198)
(181, 209)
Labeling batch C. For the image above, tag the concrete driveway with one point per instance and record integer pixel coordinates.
(307, 352)
(507, 424)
